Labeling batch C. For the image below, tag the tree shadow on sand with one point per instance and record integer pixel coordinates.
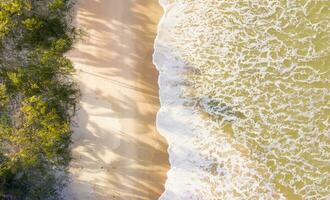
(101, 137)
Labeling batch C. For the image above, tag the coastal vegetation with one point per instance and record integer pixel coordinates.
(37, 97)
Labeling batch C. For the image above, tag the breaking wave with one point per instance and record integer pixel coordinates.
(245, 98)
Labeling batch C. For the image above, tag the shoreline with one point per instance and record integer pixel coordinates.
(117, 152)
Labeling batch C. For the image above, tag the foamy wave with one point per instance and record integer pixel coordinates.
(199, 169)
(242, 106)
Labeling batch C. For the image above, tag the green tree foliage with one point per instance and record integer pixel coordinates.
(9, 9)
(37, 97)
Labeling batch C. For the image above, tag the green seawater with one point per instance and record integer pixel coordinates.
(260, 71)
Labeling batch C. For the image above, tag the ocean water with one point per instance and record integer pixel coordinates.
(245, 98)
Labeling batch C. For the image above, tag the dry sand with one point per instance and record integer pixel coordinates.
(117, 152)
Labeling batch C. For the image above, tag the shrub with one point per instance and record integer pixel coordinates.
(37, 97)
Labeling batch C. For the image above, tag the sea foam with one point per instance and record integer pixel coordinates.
(244, 99)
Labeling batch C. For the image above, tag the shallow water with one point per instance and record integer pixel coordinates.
(245, 94)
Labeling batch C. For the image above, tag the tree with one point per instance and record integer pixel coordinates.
(37, 96)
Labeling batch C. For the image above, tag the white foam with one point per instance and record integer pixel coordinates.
(199, 160)
(205, 164)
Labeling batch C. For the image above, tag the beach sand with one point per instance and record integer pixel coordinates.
(117, 152)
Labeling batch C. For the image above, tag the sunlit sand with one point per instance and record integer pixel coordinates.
(117, 152)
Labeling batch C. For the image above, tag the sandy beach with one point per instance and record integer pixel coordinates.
(117, 152)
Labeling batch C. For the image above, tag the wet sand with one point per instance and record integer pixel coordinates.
(117, 152)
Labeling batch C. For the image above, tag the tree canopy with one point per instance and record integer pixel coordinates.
(37, 97)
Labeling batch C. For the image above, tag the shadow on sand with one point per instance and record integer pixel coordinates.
(118, 49)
